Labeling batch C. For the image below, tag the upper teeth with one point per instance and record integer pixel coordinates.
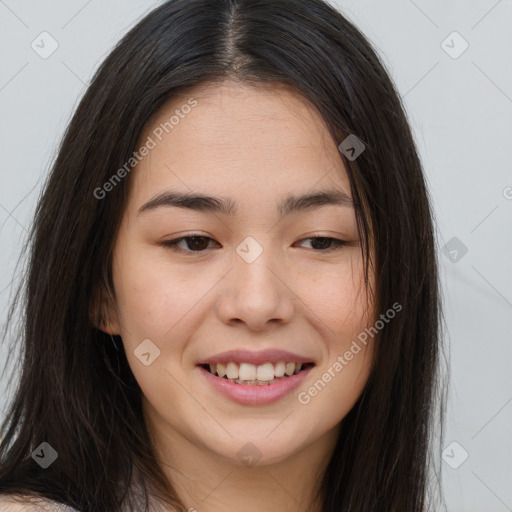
(263, 372)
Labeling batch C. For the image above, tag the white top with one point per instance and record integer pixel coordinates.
(8, 503)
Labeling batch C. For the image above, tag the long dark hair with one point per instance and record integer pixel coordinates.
(77, 392)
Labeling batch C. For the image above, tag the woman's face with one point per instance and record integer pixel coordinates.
(255, 291)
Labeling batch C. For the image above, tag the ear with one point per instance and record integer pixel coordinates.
(102, 312)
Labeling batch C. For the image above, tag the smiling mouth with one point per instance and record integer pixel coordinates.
(260, 375)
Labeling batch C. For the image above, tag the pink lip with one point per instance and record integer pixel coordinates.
(256, 358)
(255, 394)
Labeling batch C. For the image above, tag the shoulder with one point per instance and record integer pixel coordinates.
(19, 503)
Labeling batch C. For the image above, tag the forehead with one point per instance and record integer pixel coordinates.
(264, 139)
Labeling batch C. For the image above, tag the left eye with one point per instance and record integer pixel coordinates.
(322, 240)
(196, 243)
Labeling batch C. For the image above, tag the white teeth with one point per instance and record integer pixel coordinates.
(265, 372)
(279, 369)
(232, 371)
(221, 370)
(246, 373)
(248, 382)
(290, 368)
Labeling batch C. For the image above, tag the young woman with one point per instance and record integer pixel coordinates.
(232, 298)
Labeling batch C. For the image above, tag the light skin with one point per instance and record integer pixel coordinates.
(256, 146)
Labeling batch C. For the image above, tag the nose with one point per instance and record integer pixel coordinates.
(258, 294)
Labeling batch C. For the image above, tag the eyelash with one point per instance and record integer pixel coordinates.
(172, 244)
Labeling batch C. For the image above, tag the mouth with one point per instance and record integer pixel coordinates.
(248, 374)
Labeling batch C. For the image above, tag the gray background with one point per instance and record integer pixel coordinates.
(460, 107)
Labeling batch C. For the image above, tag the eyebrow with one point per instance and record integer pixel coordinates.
(228, 206)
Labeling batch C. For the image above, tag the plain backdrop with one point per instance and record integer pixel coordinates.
(451, 61)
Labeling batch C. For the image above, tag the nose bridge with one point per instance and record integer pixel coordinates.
(253, 270)
(257, 293)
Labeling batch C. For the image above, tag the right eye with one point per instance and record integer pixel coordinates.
(195, 243)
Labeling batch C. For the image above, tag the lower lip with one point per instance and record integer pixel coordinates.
(255, 394)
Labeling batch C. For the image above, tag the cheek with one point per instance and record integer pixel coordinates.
(338, 296)
(340, 303)
(143, 293)
(342, 313)
(157, 300)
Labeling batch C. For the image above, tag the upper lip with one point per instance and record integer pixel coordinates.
(256, 358)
